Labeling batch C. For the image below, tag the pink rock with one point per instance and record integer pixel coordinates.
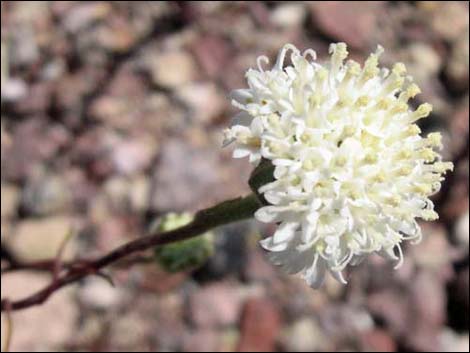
(215, 305)
(352, 22)
(212, 54)
(260, 326)
(377, 341)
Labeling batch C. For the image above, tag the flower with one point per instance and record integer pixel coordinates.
(352, 172)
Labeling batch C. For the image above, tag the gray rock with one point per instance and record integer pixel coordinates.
(46, 194)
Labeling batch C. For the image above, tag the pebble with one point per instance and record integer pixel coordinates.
(260, 326)
(172, 69)
(10, 197)
(46, 194)
(289, 15)
(38, 239)
(305, 335)
(215, 305)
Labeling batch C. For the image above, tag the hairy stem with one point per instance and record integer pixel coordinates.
(207, 219)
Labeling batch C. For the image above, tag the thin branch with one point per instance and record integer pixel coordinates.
(223, 213)
(58, 260)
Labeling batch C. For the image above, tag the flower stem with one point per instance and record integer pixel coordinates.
(224, 213)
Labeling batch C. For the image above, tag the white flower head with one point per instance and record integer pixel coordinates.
(352, 171)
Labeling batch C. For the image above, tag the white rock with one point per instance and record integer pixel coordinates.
(173, 69)
(462, 231)
(99, 294)
(304, 335)
(288, 15)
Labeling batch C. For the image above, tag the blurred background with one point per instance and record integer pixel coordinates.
(111, 116)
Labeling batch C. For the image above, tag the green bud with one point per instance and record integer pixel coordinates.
(183, 255)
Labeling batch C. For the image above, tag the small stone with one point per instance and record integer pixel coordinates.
(456, 70)
(377, 341)
(139, 193)
(462, 230)
(46, 194)
(205, 340)
(60, 312)
(108, 109)
(172, 69)
(215, 305)
(304, 335)
(258, 268)
(99, 294)
(260, 326)
(204, 101)
(13, 89)
(459, 128)
(10, 196)
(353, 22)
(133, 156)
(344, 320)
(390, 306)
(428, 312)
(434, 252)
(212, 53)
(422, 61)
(448, 19)
(5, 227)
(117, 36)
(32, 142)
(129, 332)
(41, 239)
(83, 15)
(37, 99)
(24, 49)
(451, 341)
(186, 176)
(289, 15)
(229, 339)
(117, 193)
(159, 281)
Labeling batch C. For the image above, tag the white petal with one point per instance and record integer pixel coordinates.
(285, 232)
(241, 95)
(267, 214)
(337, 275)
(315, 275)
(241, 152)
(242, 118)
(269, 245)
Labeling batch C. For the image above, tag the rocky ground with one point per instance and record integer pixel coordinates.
(111, 115)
